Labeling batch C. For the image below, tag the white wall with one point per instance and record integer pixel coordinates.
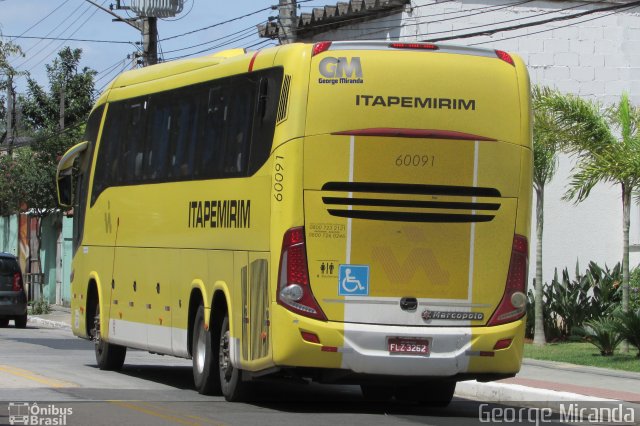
(597, 59)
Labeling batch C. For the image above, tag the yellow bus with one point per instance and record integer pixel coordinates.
(344, 212)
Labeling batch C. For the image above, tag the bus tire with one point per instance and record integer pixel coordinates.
(377, 393)
(205, 357)
(109, 357)
(436, 393)
(232, 386)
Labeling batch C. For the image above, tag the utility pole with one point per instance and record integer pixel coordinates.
(62, 94)
(288, 22)
(10, 108)
(150, 40)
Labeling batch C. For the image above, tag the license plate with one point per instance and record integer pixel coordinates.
(408, 346)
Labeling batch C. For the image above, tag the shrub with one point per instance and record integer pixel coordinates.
(40, 307)
(569, 301)
(628, 325)
(602, 333)
(607, 289)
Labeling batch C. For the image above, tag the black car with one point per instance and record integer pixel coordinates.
(13, 300)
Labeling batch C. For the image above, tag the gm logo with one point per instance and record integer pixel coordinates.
(347, 71)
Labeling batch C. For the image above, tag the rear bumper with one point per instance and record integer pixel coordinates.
(12, 304)
(363, 348)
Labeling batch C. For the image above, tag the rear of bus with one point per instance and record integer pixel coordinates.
(416, 189)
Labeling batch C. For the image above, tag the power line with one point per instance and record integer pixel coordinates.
(226, 43)
(555, 28)
(251, 27)
(82, 13)
(483, 11)
(45, 17)
(631, 5)
(70, 39)
(62, 43)
(488, 25)
(219, 23)
(78, 8)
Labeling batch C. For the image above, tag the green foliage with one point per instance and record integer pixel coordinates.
(41, 108)
(27, 178)
(7, 50)
(628, 325)
(582, 353)
(602, 156)
(569, 303)
(546, 138)
(40, 307)
(606, 289)
(602, 333)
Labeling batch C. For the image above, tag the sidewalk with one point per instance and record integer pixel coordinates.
(543, 382)
(59, 317)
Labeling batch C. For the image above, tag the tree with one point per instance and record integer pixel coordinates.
(42, 109)
(7, 73)
(545, 161)
(27, 178)
(602, 157)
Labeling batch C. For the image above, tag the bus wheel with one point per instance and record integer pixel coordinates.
(233, 388)
(377, 393)
(108, 355)
(436, 393)
(204, 376)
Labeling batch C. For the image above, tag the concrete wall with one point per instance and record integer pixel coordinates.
(50, 230)
(595, 58)
(9, 234)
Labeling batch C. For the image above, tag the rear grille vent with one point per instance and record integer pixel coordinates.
(394, 208)
(413, 189)
(284, 99)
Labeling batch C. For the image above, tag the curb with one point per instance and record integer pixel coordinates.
(511, 393)
(48, 323)
(554, 365)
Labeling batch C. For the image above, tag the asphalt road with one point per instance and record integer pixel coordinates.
(55, 370)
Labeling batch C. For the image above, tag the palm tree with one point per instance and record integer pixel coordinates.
(602, 157)
(545, 161)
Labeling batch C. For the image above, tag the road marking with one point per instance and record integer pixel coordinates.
(153, 411)
(170, 411)
(29, 375)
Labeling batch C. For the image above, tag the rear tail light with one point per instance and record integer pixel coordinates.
(320, 47)
(505, 57)
(513, 304)
(419, 46)
(294, 291)
(17, 282)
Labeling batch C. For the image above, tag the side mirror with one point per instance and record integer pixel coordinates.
(65, 189)
(64, 174)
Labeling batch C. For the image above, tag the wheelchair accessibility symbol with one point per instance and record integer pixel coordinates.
(353, 280)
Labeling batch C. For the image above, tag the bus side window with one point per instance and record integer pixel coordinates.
(238, 124)
(182, 139)
(264, 121)
(132, 149)
(213, 127)
(159, 127)
(107, 161)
